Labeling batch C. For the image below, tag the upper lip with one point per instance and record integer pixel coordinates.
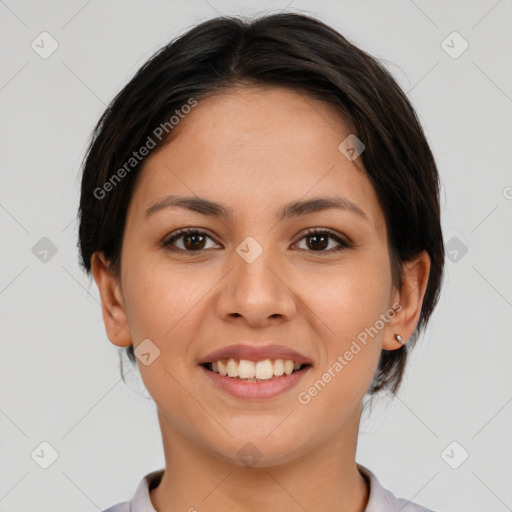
(255, 353)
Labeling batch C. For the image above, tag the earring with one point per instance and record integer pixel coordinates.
(398, 337)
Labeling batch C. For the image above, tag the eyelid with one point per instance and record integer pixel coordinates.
(184, 231)
(342, 240)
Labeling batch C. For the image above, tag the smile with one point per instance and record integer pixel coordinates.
(254, 380)
(254, 371)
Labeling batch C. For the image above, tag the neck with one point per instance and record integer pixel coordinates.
(324, 479)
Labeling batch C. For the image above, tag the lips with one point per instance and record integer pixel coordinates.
(252, 353)
(252, 373)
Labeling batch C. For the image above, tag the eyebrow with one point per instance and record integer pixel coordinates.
(289, 210)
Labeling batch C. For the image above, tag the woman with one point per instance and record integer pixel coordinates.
(260, 213)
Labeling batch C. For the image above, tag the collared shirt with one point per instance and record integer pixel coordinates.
(380, 499)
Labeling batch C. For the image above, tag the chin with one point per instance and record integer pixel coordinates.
(261, 450)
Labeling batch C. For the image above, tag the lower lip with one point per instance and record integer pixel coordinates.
(255, 390)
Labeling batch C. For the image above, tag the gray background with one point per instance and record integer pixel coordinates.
(60, 379)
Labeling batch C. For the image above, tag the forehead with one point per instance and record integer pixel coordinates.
(256, 147)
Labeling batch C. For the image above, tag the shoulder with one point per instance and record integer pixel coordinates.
(383, 500)
(120, 507)
(141, 501)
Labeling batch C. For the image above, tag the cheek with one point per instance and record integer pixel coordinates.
(349, 302)
(161, 308)
(350, 310)
(162, 298)
(350, 297)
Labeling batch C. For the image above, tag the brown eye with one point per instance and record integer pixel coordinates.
(195, 240)
(318, 241)
(192, 240)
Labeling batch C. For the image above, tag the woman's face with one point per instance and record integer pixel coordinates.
(257, 278)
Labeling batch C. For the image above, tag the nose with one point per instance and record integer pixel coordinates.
(258, 293)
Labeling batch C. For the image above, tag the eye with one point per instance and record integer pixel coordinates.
(318, 240)
(193, 240)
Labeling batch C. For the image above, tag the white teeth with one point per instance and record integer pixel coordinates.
(278, 367)
(222, 368)
(246, 369)
(264, 369)
(250, 370)
(232, 368)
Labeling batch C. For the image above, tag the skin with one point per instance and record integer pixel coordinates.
(253, 150)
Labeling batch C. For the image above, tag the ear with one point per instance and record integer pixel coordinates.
(410, 297)
(114, 313)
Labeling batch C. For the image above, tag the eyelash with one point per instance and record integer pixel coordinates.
(343, 243)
